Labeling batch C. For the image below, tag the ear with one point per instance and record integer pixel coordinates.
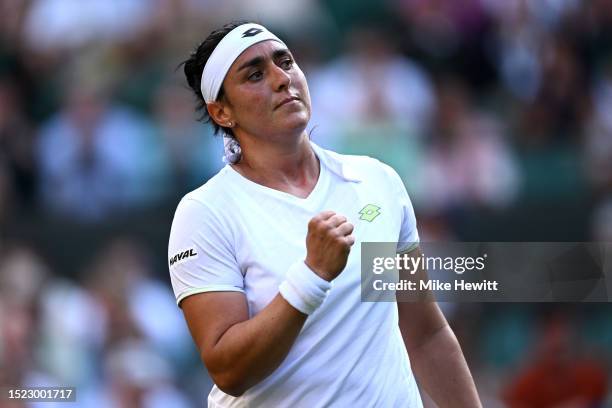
(220, 112)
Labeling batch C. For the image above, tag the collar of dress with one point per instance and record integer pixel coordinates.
(334, 162)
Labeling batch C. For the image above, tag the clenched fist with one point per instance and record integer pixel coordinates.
(328, 244)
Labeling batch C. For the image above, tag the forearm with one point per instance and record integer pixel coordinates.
(250, 350)
(442, 371)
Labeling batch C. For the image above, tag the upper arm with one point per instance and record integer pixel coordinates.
(209, 315)
(205, 275)
(419, 319)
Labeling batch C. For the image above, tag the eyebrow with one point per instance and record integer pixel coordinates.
(258, 60)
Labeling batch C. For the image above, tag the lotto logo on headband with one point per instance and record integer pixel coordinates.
(251, 32)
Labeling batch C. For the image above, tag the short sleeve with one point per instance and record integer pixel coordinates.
(200, 253)
(409, 235)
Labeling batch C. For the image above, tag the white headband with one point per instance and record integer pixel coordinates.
(223, 56)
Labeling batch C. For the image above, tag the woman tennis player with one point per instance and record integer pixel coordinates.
(263, 257)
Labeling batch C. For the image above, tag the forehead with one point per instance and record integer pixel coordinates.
(264, 49)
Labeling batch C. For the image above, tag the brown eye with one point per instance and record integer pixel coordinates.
(255, 76)
(286, 64)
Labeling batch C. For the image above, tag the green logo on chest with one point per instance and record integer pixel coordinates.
(369, 212)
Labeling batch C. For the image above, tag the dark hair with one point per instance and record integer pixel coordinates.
(194, 65)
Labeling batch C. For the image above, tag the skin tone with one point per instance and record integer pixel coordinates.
(275, 146)
(267, 105)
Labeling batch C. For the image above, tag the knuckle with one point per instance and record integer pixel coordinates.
(327, 214)
(314, 223)
(340, 219)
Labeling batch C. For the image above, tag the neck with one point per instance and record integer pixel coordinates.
(289, 167)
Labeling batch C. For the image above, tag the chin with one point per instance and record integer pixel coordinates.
(297, 122)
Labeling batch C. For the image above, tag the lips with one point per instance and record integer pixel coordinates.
(287, 100)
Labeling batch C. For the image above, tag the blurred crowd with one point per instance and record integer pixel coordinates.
(497, 114)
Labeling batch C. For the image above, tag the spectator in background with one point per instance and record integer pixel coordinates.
(561, 104)
(138, 376)
(54, 331)
(96, 157)
(439, 27)
(295, 16)
(146, 338)
(192, 154)
(598, 143)
(96, 336)
(17, 164)
(468, 162)
(12, 13)
(22, 277)
(71, 335)
(519, 43)
(135, 302)
(450, 36)
(558, 376)
(68, 24)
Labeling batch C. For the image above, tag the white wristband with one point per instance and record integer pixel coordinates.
(303, 288)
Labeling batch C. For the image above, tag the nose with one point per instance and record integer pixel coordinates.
(281, 79)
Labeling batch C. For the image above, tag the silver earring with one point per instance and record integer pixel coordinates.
(230, 124)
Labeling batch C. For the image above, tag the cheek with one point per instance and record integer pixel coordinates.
(250, 104)
(302, 85)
